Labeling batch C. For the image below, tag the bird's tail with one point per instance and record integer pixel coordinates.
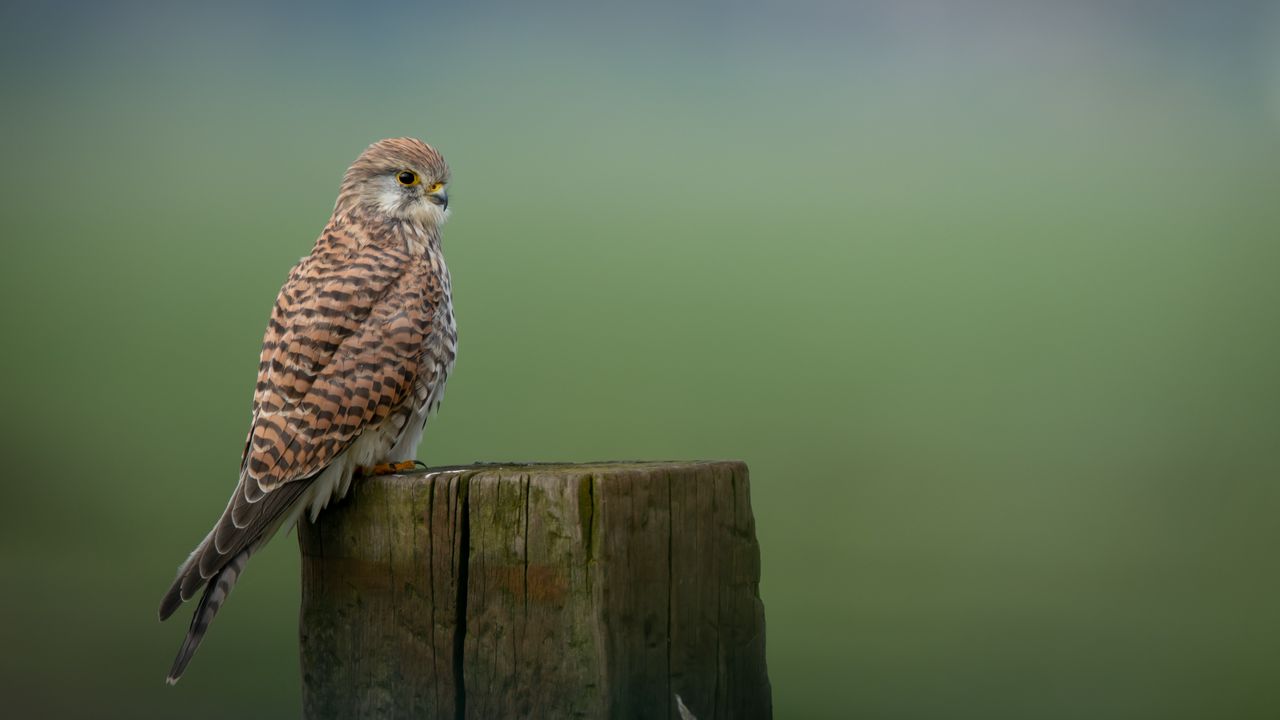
(215, 593)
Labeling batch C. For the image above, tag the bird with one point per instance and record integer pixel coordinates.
(354, 360)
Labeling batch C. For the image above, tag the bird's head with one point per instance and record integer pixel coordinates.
(399, 178)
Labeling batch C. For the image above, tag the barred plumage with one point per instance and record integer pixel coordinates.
(356, 354)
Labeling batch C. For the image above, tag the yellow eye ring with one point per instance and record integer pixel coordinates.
(408, 178)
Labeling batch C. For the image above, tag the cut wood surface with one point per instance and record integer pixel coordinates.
(602, 590)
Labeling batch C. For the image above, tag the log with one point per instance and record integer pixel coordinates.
(606, 590)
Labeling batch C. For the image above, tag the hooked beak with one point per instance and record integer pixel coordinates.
(440, 198)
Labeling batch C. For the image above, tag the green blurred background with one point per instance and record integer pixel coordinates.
(986, 293)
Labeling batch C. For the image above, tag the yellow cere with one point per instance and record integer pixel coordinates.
(437, 187)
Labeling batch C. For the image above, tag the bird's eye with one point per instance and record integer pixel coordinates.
(408, 177)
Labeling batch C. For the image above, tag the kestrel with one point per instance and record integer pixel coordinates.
(354, 359)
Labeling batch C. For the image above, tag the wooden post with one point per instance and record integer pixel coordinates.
(536, 591)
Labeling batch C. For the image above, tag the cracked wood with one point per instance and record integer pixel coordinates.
(506, 591)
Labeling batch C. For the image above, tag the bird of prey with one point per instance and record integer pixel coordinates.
(355, 357)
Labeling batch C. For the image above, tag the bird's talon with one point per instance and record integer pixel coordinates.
(388, 468)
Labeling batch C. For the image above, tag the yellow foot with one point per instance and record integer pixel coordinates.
(388, 468)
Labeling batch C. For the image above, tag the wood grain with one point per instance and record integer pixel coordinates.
(560, 591)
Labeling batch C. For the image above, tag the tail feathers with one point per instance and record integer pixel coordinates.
(215, 594)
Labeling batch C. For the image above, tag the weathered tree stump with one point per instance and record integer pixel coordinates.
(536, 591)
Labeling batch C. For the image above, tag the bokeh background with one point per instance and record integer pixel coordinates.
(986, 293)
